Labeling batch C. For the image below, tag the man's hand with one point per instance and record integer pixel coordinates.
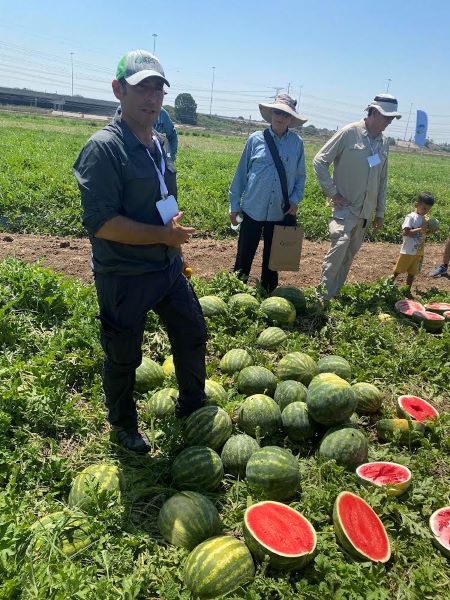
(177, 234)
(233, 218)
(378, 223)
(338, 201)
(293, 208)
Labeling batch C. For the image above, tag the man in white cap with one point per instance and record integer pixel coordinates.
(357, 189)
(128, 190)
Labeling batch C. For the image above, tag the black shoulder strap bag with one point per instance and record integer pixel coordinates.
(289, 220)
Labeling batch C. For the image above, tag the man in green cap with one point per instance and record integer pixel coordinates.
(128, 189)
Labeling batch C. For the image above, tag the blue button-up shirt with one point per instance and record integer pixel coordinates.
(256, 187)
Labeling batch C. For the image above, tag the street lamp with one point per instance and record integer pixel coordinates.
(154, 36)
(212, 89)
(71, 61)
(388, 84)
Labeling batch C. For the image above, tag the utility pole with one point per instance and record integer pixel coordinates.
(407, 122)
(212, 89)
(154, 36)
(71, 61)
(388, 84)
(288, 87)
(299, 94)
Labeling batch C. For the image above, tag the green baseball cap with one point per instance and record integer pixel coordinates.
(138, 65)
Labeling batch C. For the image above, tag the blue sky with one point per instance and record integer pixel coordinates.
(339, 54)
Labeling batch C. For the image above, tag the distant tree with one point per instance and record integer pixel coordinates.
(170, 110)
(186, 109)
(391, 141)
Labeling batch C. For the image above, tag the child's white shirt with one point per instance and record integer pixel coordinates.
(411, 243)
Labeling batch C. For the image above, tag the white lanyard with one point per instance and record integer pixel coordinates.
(162, 184)
(373, 148)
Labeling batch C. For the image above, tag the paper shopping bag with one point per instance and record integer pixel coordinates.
(286, 248)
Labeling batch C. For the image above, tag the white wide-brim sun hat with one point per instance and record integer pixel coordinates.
(285, 103)
(386, 105)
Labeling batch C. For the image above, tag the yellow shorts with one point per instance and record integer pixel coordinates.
(409, 263)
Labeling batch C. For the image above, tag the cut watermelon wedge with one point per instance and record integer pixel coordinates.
(438, 307)
(440, 527)
(394, 478)
(359, 529)
(431, 320)
(278, 531)
(408, 307)
(415, 408)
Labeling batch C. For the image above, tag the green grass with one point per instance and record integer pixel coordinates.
(38, 193)
(52, 424)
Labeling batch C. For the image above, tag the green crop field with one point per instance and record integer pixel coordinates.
(38, 193)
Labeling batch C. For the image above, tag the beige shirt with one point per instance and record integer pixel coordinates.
(362, 186)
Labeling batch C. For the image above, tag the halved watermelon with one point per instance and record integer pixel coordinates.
(394, 478)
(359, 529)
(415, 408)
(278, 531)
(446, 314)
(408, 307)
(431, 320)
(440, 527)
(438, 307)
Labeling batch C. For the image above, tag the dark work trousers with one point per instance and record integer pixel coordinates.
(124, 302)
(249, 238)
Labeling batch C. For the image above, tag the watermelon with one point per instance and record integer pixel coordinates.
(235, 360)
(197, 468)
(187, 519)
(348, 446)
(415, 408)
(297, 366)
(256, 380)
(408, 307)
(359, 529)
(212, 306)
(335, 364)
(432, 224)
(161, 404)
(330, 399)
(273, 473)
(168, 367)
(368, 397)
(259, 413)
(94, 483)
(218, 566)
(438, 307)
(392, 477)
(236, 453)
(149, 375)
(278, 310)
(244, 302)
(289, 391)
(272, 337)
(408, 432)
(293, 294)
(440, 528)
(430, 320)
(446, 314)
(69, 531)
(279, 532)
(215, 393)
(297, 423)
(210, 426)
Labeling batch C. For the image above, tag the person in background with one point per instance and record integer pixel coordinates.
(128, 190)
(357, 189)
(414, 233)
(442, 269)
(256, 189)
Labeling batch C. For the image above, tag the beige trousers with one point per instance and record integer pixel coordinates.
(346, 237)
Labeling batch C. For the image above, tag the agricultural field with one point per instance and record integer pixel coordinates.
(38, 193)
(52, 426)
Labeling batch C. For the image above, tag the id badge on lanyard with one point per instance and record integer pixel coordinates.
(374, 159)
(167, 206)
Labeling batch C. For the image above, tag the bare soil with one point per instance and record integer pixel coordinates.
(207, 256)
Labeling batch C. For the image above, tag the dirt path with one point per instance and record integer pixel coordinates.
(207, 256)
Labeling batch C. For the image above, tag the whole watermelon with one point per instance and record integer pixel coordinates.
(236, 453)
(69, 531)
(210, 426)
(297, 366)
(259, 413)
(407, 432)
(161, 404)
(297, 423)
(149, 375)
(215, 393)
(197, 468)
(293, 294)
(273, 473)
(368, 397)
(187, 519)
(212, 306)
(278, 310)
(272, 337)
(330, 399)
(244, 302)
(218, 566)
(348, 446)
(335, 364)
(93, 483)
(289, 391)
(235, 360)
(256, 380)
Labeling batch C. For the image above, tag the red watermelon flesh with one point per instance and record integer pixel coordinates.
(439, 307)
(428, 314)
(384, 473)
(359, 528)
(408, 307)
(416, 408)
(281, 529)
(440, 526)
(447, 314)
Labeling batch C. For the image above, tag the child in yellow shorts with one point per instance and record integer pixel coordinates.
(414, 233)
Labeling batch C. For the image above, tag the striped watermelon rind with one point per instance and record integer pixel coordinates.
(259, 413)
(348, 446)
(235, 360)
(432, 321)
(272, 337)
(187, 519)
(243, 301)
(160, 404)
(273, 473)
(335, 364)
(289, 391)
(297, 422)
(256, 380)
(93, 483)
(394, 478)
(69, 530)
(330, 399)
(218, 566)
(369, 398)
(295, 296)
(278, 310)
(209, 425)
(297, 366)
(197, 468)
(215, 393)
(440, 528)
(212, 306)
(236, 454)
(406, 431)
(149, 375)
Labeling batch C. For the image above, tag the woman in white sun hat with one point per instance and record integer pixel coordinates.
(256, 190)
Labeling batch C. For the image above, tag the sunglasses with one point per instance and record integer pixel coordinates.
(280, 113)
